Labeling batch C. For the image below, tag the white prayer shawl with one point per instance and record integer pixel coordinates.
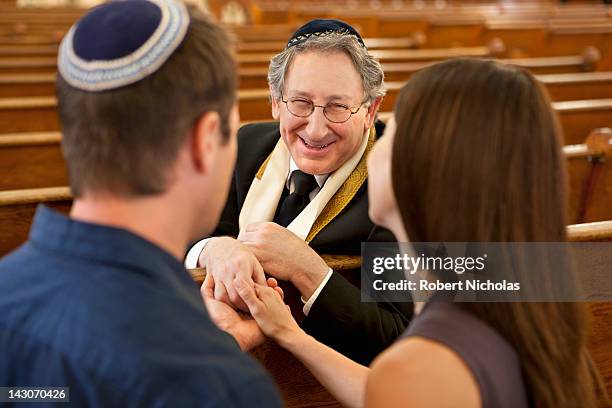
(264, 194)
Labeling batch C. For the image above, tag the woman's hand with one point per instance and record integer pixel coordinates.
(269, 311)
(240, 325)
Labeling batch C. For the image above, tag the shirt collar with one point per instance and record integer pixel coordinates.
(110, 245)
(320, 178)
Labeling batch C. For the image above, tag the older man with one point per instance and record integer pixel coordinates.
(303, 181)
(100, 302)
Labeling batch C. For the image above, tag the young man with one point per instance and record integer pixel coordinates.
(100, 302)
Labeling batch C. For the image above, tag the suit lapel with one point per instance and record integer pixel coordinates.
(345, 194)
(342, 197)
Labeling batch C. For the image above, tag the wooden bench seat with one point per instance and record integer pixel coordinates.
(18, 85)
(18, 207)
(10, 50)
(29, 40)
(589, 167)
(590, 232)
(38, 114)
(578, 86)
(571, 37)
(263, 59)
(30, 51)
(29, 114)
(372, 44)
(579, 117)
(562, 87)
(34, 160)
(31, 160)
(24, 65)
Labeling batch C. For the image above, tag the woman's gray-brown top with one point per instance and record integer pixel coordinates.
(491, 359)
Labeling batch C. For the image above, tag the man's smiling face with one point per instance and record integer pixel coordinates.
(317, 145)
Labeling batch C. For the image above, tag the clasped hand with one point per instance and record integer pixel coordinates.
(236, 283)
(260, 247)
(269, 315)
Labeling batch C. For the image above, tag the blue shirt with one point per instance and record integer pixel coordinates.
(119, 321)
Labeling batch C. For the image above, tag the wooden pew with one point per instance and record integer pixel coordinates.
(562, 87)
(30, 114)
(32, 160)
(572, 37)
(36, 40)
(522, 38)
(31, 51)
(256, 77)
(599, 342)
(267, 32)
(454, 31)
(17, 207)
(27, 29)
(579, 117)
(577, 86)
(263, 59)
(586, 61)
(297, 385)
(530, 32)
(28, 65)
(590, 232)
(38, 114)
(18, 85)
(9, 50)
(590, 178)
(413, 42)
(600, 338)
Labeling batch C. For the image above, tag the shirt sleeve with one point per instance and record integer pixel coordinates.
(191, 260)
(308, 303)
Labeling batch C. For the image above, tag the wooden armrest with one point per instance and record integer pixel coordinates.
(336, 262)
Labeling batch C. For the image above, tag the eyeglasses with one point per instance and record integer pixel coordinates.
(334, 112)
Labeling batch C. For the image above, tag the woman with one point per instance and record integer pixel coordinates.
(473, 155)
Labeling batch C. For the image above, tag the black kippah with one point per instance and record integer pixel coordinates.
(322, 27)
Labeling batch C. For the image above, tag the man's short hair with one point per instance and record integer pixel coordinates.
(126, 140)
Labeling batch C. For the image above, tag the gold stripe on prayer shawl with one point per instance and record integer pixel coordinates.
(262, 168)
(343, 196)
(346, 192)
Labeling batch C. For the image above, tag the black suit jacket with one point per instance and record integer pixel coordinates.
(338, 317)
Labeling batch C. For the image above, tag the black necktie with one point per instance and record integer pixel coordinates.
(295, 202)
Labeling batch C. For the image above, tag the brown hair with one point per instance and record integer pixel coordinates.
(126, 140)
(477, 158)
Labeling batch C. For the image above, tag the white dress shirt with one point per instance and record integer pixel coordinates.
(193, 255)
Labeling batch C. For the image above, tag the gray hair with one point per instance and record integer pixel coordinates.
(368, 67)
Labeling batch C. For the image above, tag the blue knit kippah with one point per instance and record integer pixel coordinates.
(322, 27)
(121, 42)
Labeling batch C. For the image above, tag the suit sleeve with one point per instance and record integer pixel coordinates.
(357, 329)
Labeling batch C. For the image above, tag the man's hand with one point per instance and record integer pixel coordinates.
(285, 256)
(267, 307)
(239, 325)
(225, 259)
